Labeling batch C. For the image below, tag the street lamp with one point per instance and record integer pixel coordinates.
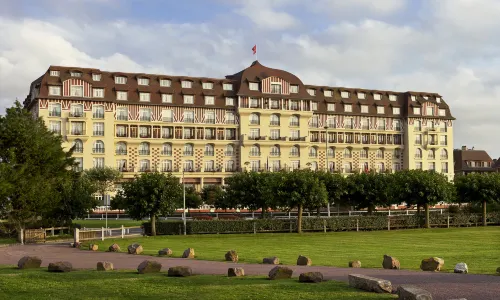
(326, 162)
(184, 202)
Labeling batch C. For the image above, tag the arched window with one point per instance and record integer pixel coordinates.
(380, 167)
(397, 153)
(363, 153)
(77, 146)
(121, 148)
(294, 120)
(188, 149)
(166, 149)
(444, 154)
(254, 119)
(347, 153)
(144, 165)
(275, 119)
(166, 165)
(418, 153)
(209, 150)
(431, 154)
(295, 151)
(313, 152)
(275, 150)
(255, 150)
(331, 152)
(98, 146)
(380, 153)
(144, 148)
(229, 150)
(348, 167)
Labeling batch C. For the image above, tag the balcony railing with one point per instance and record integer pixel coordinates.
(443, 129)
(209, 153)
(78, 150)
(230, 122)
(188, 120)
(313, 155)
(167, 119)
(256, 137)
(294, 124)
(275, 123)
(417, 128)
(121, 151)
(54, 113)
(122, 117)
(314, 125)
(275, 154)
(98, 115)
(418, 156)
(276, 138)
(294, 154)
(188, 153)
(121, 134)
(98, 132)
(144, 152)
(77, 132)
(431, 157)
(209, 137)
(254, 153)
(210, 121)
(145, 118)
(145, 135)
(98, 150)
(444, 156)
(76, 114)
(229, 153)
(56, 131)
(443, 143)
(254, 122)
(166, 152)
(167, 135)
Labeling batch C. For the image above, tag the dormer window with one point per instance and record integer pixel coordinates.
(393, 97)
(344, 94)
(328, 93)
(413, 98)
(208, 85)
(253, 86)
(121, 80)
(96, 77)
(330, 107)
(314, 105)
(275, 88)
(165, 82)
(54, 90)
(311, 92)
(442, 112)
(143, 81)
(426, 97)
(54, 73)
(438, 99)
(380, 110)
(361, 95)
(209, 100)
(186, 84)
(294, 88)
(144, 97)
(76, 74)
(76, 91)
(347, 108)
(228, 86)
(377, 96)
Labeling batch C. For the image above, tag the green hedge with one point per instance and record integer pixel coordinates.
(374, 222)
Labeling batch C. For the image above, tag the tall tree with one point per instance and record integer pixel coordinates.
(150, 195)
(299, 189)
(211, 193)
(478, 188)
(193, 198)
(369, 190)
(335, 184)
(36, 164)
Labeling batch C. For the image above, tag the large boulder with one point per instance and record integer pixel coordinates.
(93, 247)
(235, 272)
(271, 260)
(370, 284)
(303, 261)
(461, 268)
(355, 264)
(432, 264)
(135, 249)
(411, 292)
(231, 255)
(180, 271)
(60, 266)
(29, 262)
(114, 248)
(390, 262)
(311, 277)
(280, 272)
(105, 266)
(188, 253)
(149, 266)
(165, 252)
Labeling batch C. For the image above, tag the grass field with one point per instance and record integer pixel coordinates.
(478, 247)
(112, 223)
(40, 284)
(7, 241)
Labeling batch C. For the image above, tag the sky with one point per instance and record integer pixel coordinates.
(450, 47)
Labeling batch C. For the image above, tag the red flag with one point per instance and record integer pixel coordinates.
(254, 49)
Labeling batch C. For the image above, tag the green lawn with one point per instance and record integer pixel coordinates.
(7, 241)
(40, 284)
(478, 247)
(112, 223)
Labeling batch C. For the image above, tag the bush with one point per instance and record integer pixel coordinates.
(202, 217)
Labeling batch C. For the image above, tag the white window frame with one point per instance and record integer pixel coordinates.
(314, 105)
(438, 99)
(75, 74)
(188, 99)
(380, 110)
(364, 109)
(396, 111)
(143, 81)
(361, 95)
(209, 100)
(96, 77)
(413, 98)
(120, 80)
(227, 86)
(330, 107)
(167, 115)
(207, 85)
(121, 95)
(74, 88)
(54, 73)
(393, 97)
(377, 96)
(98, 92)
(311, 92)
(166, 98)
(186, 84)
(53, 88)
(347, 107)
(165, 82)
(144, 97)
(429, 109)
(253, 86)
(442, 112)
(328, 93)
(416, 111)
(294, 88)
(98, 162)
(229, 101)
(344, 94)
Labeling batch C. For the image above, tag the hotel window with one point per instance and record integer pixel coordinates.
(167, 115)
(442, 112)
(227, 86)
(380, 109)
(166, 165)
(294, 151)
(229, 101)
(229, 150)
(344, 94)
(55, 127)
(255, 150)
(254, 133)
(314, 105)
(98, 147)
(418, 165)
(230, 119)
(207, 85)
(294, 121)
(365, 124)
(275, 88)
(145, 114)
(364, 109)
(361, 95)
(77, 146)
(396, 166)
(331, 106)
(96, 77)
(294, 88)
(431, 166)
(363, 153)
(165, 82)
(99, 129)
(295, 164)
(210, 117)
(418, 139)
(348, 167)
(144, 97)
(143, 81)
(330, 152)
(396, 125)
(416, 110)
(121, 95)
(254, 86)
(209, 166)
(438, 99)
(444, 167)
(188, 165)
(377, 96)
(188, 99)
(54, 73)
(76, 91)
(230, 166)
(255, 165)
(328, 93)
(429, 111)
(275, 134)
(413, 98)
(120, 80)
(311, 92)
(418, 153)
(98, 93)
(54, 90)
(426, 97)
(166, 98)
(393, 97)
(347, 153)
(121, 148)
(144, 165)
(122, 113)
(380, 167)
(209, 100)
(347, 107)
(396, 111)
(188, 117)
(380, 154)
(254, 102)
(98, 162)
(98, 112)
(76, 74)
(186, 84)
(348, 123)
(294, 135)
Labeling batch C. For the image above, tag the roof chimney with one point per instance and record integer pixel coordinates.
(464, 148)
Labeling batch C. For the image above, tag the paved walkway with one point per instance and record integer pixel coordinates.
(443, 286)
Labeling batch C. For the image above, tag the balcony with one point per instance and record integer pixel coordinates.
(167, 135)
(188, 120)
(145, 118)
(231, 137)
(78, 150)
(210, 121)
(254, 122)
(313, 155)
(77, 114)
(297, 139)
(98, 132)
(191, 169)
(256, 138)
(166, 169)
(277, 138)
(144, 152)
(417, 128)
(77, 131)
(188, 153)
(294, 154)
(294, 124)
(314, 125)
(230, 122)
(98, 115)
(275, 154)
(167, 119)
(254, 105)
(229, 153)
(254, 153)
(166, 152)
(145, 135)
(274, 123)
(294, 107)
(121, 134)
(121, 152)
(209, 137)
(54, 113)
(98, 150)
(122, 117)
(209, 153)
(418, 156)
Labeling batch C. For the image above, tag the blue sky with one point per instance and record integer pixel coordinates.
(444, 46)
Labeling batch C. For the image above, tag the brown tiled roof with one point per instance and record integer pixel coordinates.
(462, 156)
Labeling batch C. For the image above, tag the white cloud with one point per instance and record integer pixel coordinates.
(265, 16)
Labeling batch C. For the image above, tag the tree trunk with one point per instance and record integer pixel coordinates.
(153, 225)
(484, 214)
(263, 212)
(427, 221)
(299, 219)
(370, 209)
(418, 209)
(318, 212)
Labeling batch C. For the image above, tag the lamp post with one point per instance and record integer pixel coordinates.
(326, 162)
(184, 202)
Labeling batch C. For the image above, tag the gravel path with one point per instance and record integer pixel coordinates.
(443, 286)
